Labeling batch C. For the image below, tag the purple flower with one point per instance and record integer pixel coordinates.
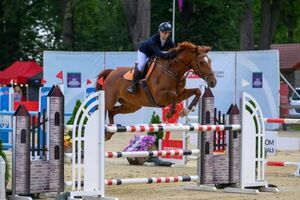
(140, 143)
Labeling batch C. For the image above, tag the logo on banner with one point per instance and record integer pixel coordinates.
(257, 80)
(74, 80)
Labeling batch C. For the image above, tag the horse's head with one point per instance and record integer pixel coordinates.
(202, 65)
(198, 61)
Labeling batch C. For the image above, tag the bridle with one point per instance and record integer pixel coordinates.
(166, 68)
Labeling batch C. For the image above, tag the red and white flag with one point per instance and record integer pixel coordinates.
(43, 81)
(100, 81)
(88, 82)
(60, 75)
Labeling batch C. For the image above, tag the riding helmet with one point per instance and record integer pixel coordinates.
(165, 26)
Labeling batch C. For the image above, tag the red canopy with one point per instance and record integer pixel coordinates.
(20, 72)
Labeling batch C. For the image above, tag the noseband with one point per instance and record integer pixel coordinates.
(205, 77)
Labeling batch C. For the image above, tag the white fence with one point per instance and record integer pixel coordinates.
(2, 178)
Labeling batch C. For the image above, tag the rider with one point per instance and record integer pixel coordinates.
(155, 45)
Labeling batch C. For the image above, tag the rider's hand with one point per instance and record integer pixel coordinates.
(172, 54)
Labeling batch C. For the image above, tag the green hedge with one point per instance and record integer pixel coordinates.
(3, 155)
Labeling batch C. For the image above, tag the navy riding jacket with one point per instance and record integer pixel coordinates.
(152, 46)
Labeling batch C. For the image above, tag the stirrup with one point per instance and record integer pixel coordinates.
(131, 89)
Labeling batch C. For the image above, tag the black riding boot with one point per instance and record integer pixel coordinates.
(135, 80)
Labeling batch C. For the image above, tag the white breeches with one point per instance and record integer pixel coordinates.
(142, 59)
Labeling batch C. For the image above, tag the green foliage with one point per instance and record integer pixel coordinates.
(27, 27)
(288, 29)
(204, 22)
(99, 26)
(72, 118)
(76, 107)
(3, 155)
(155, 119)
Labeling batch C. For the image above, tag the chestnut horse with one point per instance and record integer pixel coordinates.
(166, 83)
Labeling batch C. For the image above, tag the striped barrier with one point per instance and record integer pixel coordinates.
(267, 120)
(282, 120)
(171, 179)
(131, 154)
(127, 181)
(285, 164)
(170, 127)
(151, 153)
(281, 164)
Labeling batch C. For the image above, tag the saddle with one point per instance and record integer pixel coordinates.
(145, 73)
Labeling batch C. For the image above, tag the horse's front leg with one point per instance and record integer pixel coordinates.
(186, 94)
(169, 98)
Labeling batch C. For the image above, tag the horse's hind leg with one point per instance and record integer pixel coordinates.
(124, 108)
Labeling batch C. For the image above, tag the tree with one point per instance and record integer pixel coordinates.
(288, 29)
(67, 30)
(137, 14)
(246, 27)
(270, 10)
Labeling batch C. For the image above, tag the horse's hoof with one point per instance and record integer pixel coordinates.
(181, 114)
(108, 135)
(184, 112)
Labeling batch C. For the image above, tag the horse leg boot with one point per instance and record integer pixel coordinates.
(135, 80)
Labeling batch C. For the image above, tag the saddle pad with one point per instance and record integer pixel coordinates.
(129, 75)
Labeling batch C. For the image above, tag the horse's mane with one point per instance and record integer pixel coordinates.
(188, 45)
(184, 45)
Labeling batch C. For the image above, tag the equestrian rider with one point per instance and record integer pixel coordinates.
(155, 45)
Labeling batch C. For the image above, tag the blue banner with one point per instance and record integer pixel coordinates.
(44, 91)
(5, 120)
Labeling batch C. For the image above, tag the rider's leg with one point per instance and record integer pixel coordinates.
(137, 72)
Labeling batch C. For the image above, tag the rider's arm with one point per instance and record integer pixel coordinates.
(157, 51)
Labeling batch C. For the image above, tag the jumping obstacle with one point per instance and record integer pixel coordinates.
(7, 111)
(36, 167)
(246, 160)
(285, 164)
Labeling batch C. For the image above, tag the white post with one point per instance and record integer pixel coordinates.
(173, 21)
(101, 110)
(2, 178)
(92, 139)
(297, 172)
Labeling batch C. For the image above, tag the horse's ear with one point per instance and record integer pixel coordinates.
(207, 49)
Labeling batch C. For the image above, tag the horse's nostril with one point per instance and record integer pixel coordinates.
(212, 83)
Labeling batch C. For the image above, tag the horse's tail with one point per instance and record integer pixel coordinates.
(102, 75)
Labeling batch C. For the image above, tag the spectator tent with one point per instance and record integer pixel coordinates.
(21, 72)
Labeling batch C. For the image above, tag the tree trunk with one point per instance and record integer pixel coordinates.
(246, 28)
(67, 23)
(270, 16)
(137, 13)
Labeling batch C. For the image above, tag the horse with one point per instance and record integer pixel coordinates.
(166, 83)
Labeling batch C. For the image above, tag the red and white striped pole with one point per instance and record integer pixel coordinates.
(284, 164)
(171, 179)
(151, 153)
(282, 120)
